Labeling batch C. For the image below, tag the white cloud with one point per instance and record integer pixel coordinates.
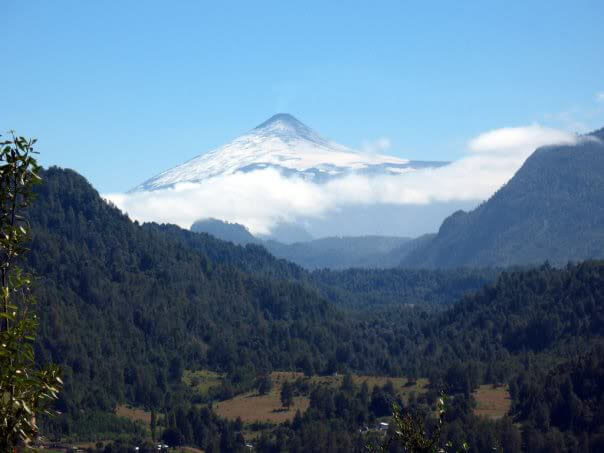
(515, 138)
(600, 96)
(264, 198)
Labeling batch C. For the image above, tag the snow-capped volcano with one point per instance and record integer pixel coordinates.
(286, 144)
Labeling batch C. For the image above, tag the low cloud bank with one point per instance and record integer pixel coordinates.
(264, 198)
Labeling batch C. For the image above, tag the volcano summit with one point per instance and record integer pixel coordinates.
(286, 144)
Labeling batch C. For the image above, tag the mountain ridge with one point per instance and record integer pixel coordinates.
(332, 252)
(552, 209)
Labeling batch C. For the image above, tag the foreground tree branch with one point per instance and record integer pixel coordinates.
(25, 390)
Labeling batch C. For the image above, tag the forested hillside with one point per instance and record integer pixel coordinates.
(552, 209)
(351, 288)
(562, 408)
(125, 308)
(531, 330)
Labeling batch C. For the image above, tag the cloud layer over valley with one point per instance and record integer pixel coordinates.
(264, 198)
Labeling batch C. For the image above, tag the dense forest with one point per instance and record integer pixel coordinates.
(125, 308)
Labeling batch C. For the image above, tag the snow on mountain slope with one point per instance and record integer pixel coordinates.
(286, 144)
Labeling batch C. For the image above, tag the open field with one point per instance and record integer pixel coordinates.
(255, 408)
(252, 407)
(492, 402)
(134, 414)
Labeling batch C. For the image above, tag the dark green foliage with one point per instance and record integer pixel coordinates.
(552, 209)
(91, 425)
(265, 384)
(287, 394)
(347, 383)
(172, 437)
(568, 399)
(537, 310)
(372, 288)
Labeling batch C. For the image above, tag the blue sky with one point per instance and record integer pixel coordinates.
(122, 90)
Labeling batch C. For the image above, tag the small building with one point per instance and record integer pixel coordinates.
(383, 426)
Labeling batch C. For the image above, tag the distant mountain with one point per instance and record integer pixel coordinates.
(330, 253)
(227, 231)
(287, 233)
(286, 144)
(552, 209)
(340, 252)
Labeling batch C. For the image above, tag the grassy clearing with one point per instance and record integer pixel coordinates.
(203, 380)
(492, 402)
(133, 414)
(252, 407)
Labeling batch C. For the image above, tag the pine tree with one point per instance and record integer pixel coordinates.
(287, 394)
(153, 424)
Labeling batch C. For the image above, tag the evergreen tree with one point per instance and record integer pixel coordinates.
(265, 384)
(287, 394)
(347, 384)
